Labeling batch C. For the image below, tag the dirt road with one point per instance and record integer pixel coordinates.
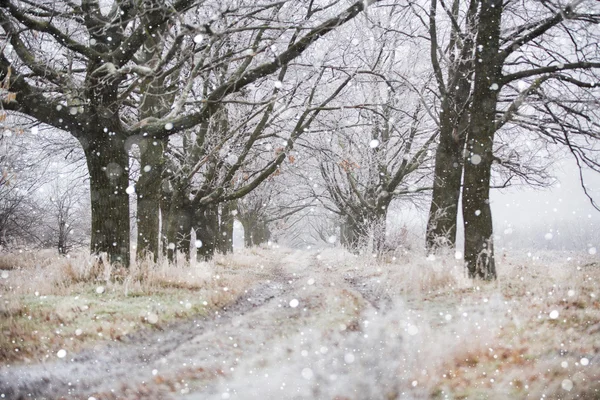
(311, 327)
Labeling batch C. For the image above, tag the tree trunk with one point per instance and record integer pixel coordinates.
(62, 238)
(226, 227)
(260, 233)
(179, 225)
(164, 206)
(378, 227)
(247, 233)
(441, 224)
(107, 162)
(256, 231)
(479, 249)
(454, 123)
(207, 231)
(349, 233)
(149, 192)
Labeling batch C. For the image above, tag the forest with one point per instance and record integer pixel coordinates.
(293, 199)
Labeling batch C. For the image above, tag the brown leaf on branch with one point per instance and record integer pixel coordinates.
(348, 166)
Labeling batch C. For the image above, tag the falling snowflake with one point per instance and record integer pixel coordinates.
(152, 318)
(307, 373)
(475, 159)
(567, 385)
(412, 330)
(349, 358)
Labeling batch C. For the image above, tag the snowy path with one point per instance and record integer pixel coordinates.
(144, 356)
(308, 327)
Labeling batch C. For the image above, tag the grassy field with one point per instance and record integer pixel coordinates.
(328, 324)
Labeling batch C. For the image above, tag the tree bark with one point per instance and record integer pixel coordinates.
(378, 227)
(260, 233)
(107, 162)
(358, 230)
(226, 227)
(62, 238)
(441, 224)
(479, 249)
(349, 233)
(179, 225)
(149, 193)
(454, 123)
(207, 231)
(256, 231)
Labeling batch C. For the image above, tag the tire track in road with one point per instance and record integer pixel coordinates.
(106, 368)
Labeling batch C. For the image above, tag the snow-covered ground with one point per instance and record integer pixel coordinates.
(326, 324)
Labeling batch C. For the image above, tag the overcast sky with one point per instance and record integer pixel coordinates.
(560, 216)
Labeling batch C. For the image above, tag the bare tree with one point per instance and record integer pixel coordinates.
(508, 62)
(496, 68)
(65, 214)
(78, 67)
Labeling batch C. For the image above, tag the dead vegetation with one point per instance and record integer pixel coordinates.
(49, 303)
(405, 327)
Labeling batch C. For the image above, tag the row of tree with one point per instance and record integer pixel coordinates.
(210, 109)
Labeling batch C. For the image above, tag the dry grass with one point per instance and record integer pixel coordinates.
(427, 331)
(405, 327)
(48, 303)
